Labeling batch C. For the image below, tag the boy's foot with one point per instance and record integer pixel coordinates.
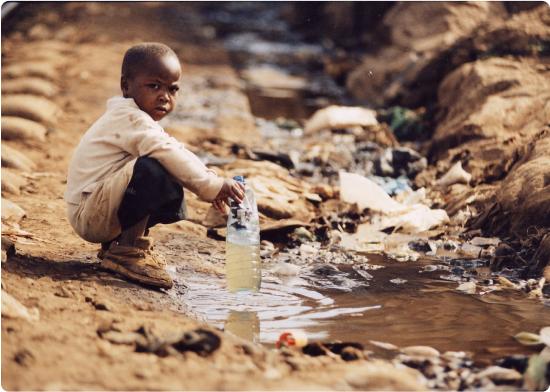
(145, 243)
(136, 264)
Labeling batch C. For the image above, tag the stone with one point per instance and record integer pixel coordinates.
(392, 74)
(523, 198)
(379, 375)
(39, 69)
(339, 117)
(497, 373)
(8, 248)
(12, 308)
(30, 107)
(266, 77)
(421, 351)
(30, 85)
(15, 159)
(11, 212)
(16, 128)
(12, 182)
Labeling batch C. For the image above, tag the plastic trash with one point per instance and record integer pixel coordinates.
(392, 186)
(243, 263)
(410, 218)
(293, 337)
(455, 175)
(355, 188)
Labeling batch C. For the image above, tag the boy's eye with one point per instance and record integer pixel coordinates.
(154, 86)
(174, 89)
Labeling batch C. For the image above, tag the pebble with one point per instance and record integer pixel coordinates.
(384, 345)
(467, 287)
(420, 351)
(308, 250)
(497, 373)
(398, 281)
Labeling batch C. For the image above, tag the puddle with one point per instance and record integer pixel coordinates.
(423, 310)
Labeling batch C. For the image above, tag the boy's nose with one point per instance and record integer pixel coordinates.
(163, 97)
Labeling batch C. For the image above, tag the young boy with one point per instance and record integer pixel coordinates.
(126, 174)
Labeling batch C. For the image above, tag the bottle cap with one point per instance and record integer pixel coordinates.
(239, 179)
(293, 337)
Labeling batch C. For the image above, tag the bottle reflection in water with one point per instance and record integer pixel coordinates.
(243, 263)
(245, 325)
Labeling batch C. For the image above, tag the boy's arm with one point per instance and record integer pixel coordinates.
(151, 140)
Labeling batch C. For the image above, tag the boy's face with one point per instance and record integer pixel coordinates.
(154, 88)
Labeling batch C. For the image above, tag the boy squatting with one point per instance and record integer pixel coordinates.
(127, 174)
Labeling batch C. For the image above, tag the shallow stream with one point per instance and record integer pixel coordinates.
(423, 310)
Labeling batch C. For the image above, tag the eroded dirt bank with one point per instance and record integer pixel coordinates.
(86, 329)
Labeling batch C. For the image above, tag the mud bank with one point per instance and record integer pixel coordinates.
(68, 325)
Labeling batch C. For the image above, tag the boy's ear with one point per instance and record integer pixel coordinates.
(124, 86)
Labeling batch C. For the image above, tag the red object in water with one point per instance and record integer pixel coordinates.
(292, 338)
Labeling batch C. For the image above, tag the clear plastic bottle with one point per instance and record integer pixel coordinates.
(242, 255)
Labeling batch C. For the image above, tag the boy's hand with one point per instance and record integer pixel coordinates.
(232, 189)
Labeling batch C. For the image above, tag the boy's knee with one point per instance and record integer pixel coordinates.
(150, 167)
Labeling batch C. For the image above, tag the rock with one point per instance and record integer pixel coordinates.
(278, 195)
(14, 159)
(398, 281)
(285, 269)
(39, 69)
(266, 77)
(324, 190)
(12, 308)
(523, 198)
(467, 287)
(16, 128)
(8, 248)
(484, 241)
(11, 182)
(384, 345)
(392, 74)
(497, 373)
(200, 341)
(339, 117)
(39, 32)
(24, 357)
(31, 107)
(473, 98)
(378, 375)
(29, 85)
(308, 250)
(12, 212)
(421, 351)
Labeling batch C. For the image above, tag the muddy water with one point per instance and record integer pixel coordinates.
(424, 310)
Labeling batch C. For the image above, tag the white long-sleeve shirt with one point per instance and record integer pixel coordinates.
(124, 132)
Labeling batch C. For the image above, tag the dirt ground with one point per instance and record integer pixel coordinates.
(57, 273)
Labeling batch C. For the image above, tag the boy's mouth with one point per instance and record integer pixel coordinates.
(161, 111)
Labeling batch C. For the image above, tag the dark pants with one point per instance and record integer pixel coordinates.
(152, 192)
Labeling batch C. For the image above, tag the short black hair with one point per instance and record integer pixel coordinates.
(141, 55)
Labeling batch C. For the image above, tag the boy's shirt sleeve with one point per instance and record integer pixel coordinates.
(147, 138)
